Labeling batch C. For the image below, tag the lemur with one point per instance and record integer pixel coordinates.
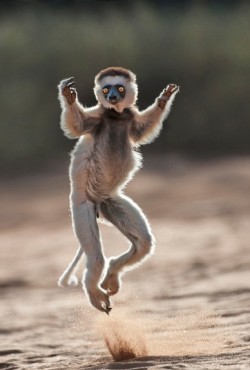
(104, 160)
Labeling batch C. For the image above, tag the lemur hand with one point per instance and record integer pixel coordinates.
(68, 90)
(166, 94)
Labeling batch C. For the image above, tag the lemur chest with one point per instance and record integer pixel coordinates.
(116, 140)
(112, 138)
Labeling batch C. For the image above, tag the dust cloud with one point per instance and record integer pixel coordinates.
(193, 332)
(125, 338)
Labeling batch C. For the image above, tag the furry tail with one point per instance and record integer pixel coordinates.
(68, 278)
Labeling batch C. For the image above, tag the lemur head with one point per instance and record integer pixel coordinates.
(116, 88)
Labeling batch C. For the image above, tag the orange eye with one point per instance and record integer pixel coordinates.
(105, 90)
(121, 89)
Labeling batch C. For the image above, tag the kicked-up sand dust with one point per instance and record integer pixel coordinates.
(125, 338)
(190, 333)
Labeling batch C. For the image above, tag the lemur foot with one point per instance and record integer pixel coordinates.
(170, 90)
(99, 299)
(68, 90)
(111, 283)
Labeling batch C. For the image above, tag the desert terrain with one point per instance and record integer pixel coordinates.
(187, 307)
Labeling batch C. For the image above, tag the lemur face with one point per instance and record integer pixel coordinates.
(116, 92)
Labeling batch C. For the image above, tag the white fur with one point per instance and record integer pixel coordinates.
(98, 176)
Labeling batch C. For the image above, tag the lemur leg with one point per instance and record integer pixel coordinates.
(87, 232)
(129, 219)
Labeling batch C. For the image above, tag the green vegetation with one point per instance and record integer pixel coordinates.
(205, 51)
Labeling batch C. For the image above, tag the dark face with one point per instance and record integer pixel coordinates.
(114, 93)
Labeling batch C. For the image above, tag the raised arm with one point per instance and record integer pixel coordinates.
(75, 120)
(148, 123)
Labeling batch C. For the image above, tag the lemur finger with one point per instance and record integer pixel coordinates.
(71, 84)
(68, 80)
(176, 88)
(171, 88)
(64, 83)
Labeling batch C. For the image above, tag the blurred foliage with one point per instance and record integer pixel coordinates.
(205, 49)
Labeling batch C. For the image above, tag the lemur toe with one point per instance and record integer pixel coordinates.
(108, 309)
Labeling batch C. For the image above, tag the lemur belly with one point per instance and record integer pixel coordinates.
(112, 161)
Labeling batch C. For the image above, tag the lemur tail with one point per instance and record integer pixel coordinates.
(68, 278)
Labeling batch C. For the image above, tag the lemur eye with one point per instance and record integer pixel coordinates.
(105, 90)
(121, 89)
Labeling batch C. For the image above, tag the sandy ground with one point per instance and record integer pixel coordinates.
(187, 307)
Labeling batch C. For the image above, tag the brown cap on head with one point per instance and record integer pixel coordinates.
(115, 71)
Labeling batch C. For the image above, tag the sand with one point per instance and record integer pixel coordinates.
(187, 307)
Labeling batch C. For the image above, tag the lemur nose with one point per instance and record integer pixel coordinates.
(113, 97)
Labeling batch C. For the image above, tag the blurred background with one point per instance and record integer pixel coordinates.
(194, 187)
(201, 45)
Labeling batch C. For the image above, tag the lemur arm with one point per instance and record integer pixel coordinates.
(148, 123)
(75, 120)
